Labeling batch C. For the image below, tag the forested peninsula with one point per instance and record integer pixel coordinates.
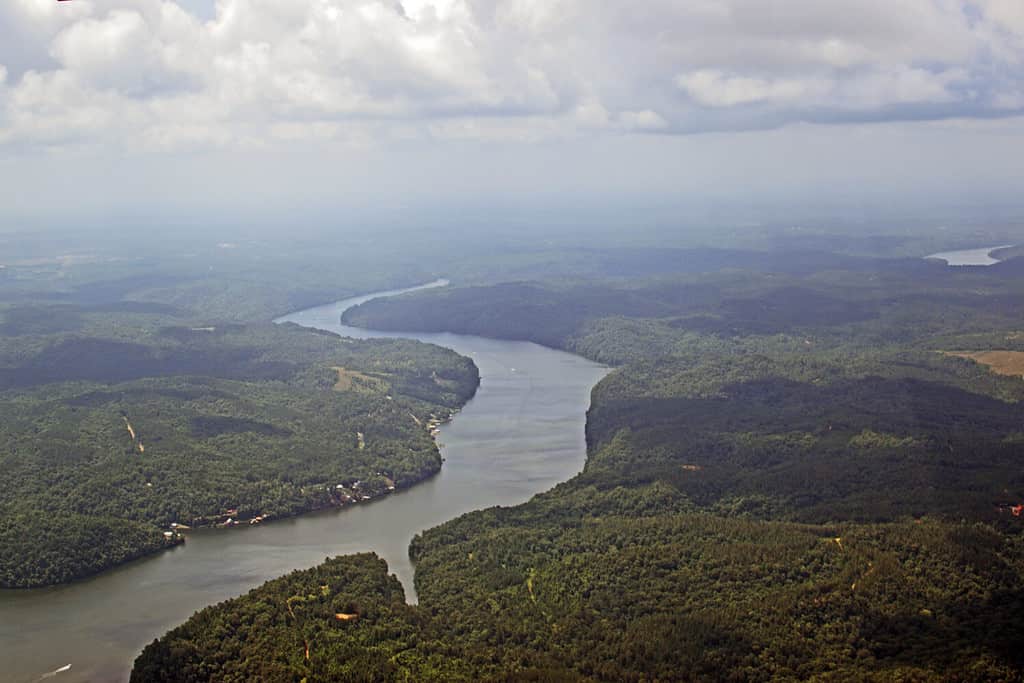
(125, 425)
(793, 474)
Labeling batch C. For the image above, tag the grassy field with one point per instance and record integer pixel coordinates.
(352, 380)
(1010, 363)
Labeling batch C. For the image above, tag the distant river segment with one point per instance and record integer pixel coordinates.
(521, 434)
(970, 257)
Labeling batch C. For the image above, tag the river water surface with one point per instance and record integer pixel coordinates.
(521, 434)
(970, 257)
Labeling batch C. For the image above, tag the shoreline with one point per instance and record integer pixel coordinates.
(337, 503)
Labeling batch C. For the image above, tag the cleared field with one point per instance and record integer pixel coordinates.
(1001, 362)
(350, 380)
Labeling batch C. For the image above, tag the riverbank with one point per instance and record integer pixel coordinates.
(336, 496)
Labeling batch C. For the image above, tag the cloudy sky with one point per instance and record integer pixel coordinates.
(122, 104)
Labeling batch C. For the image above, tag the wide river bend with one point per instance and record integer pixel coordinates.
(521, 434)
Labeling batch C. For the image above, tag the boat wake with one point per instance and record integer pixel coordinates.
(66, 667)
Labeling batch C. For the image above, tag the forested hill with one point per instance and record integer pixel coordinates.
(790, 476)
(618, 320)
(129, 425)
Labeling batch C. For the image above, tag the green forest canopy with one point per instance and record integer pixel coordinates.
(785, 481)
(117, 430)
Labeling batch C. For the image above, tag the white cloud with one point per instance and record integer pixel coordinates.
(148, 72)
(126, 53)
(643, 120)
(712, 88)
(1008, 14)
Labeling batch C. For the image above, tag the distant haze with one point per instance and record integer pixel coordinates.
(300, 108)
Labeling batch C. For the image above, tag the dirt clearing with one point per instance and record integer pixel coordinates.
(1000, 362)
(350, 380)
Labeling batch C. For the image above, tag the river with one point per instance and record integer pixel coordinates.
(969, 257)
(521, 434)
